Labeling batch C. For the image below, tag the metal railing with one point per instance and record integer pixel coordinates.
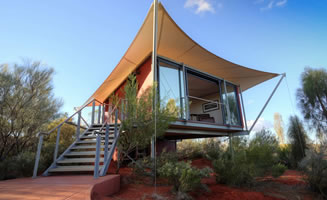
(78, 112)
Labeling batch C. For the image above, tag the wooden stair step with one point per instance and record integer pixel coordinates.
(88, 147)
(78, 160)
(83, 153)
(92, 141)
(77, 168)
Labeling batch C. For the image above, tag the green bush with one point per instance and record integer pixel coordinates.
(19, 166)
(314, 165)
(183, 177)
(285, 155)
(236, 173)
(204, 148)
(278, 170)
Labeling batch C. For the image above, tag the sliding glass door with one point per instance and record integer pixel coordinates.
(171, 87)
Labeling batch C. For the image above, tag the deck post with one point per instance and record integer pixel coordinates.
(106, 143)
(37, 156)
(231, 146)
(78, 128)
(227, 104)
(57, 145)
(93, 110)
(264, 107)
(116, 128)
(97, 156)
(103, 112)
(244, 114)
(187, 117)
(109, 114)
(99, 114)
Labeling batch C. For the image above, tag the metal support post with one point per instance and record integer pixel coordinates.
(227, 104)
(244, 114)
(116, 124)
(106, 143)
(78, 128)
(273, 92)
(57, 145)
(93, 110)
(99, 114)
(97, 156)
(37, 156)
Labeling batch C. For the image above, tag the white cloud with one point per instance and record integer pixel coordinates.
(201, 6)
(261, 123)
(269, 4)
(281, 3)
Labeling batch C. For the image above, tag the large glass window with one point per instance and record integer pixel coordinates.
(231, 96)
(171, 88)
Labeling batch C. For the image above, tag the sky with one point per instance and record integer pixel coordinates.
(84, 40)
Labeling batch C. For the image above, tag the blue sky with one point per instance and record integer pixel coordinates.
(84, 40)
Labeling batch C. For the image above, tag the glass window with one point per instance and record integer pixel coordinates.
(233, 105)
(171, 87)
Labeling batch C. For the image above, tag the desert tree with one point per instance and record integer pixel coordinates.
(312, 98)
(298, 139)
(139, 125)
(27, 104)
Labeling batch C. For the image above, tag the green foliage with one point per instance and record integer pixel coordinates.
(183, 176)
(312, 97)
(204, 148)
(237, 172)
(27, 105)
(139, 126)
(298, 140)
(254, 159)
(285, 155)
(18, 166)
(314, 166)
(278, 170)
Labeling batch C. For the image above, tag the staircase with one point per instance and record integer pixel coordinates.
(80, 157)
(92, 151)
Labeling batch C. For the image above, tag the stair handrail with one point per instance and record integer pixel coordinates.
(68, 118)
(106, 121)
(41, 134)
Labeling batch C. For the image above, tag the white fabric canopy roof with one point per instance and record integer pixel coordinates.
(174, 44)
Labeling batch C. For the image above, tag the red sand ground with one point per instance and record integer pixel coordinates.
(289, 181)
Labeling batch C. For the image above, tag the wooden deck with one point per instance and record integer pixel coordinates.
(59, 187)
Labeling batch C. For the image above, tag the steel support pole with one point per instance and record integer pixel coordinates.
(93, 110)
(99, 114)
(97, 156)
(103, 112)
(78, 128)
(57, 145)
(273, 92)
(154, 70)
(116, 123)
(227, 104)
(37, 156)
(187, 113)
(244, 114)
(106, 143)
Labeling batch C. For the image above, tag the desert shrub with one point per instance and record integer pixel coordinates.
(183, 177)
(145, 167)
(212, 149)
(285, 155)
(235, 172)
(257, 158)
(314, 165)
(204, 148)
(18, 166)
(190, 149)
(278, 170)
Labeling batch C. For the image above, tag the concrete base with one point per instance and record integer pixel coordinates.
(60, 187)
